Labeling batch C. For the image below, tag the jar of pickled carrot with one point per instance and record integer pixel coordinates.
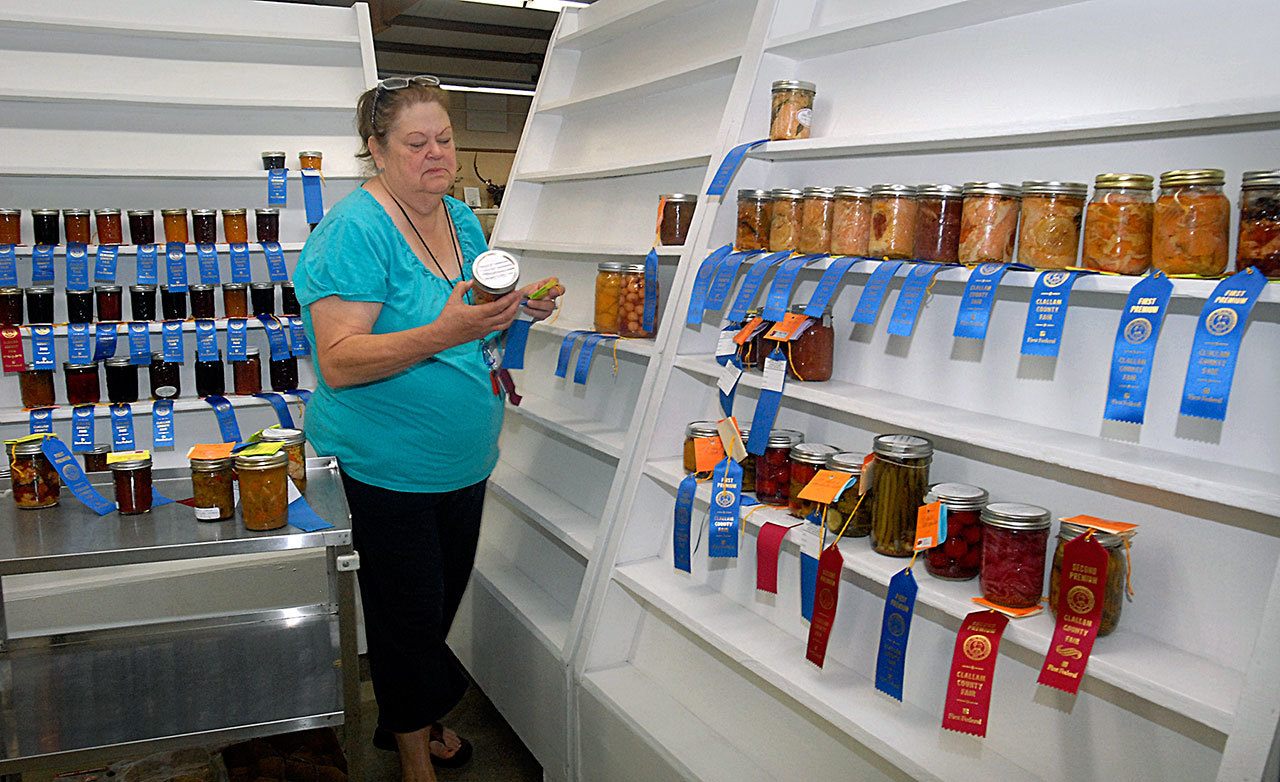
(851, 221)
(1117, 224)
(1192, 224)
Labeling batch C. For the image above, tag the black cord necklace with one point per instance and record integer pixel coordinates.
(453, 232)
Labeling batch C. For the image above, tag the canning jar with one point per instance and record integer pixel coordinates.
(1014, 539)
(263, 297)
(773, 467)
(850, 506)
(247, 374)
(674, 217)
(1049, 228)
(11, 307)
(75, 223)
(40, 304)
(142, 226)
(165, 377)
(235, 300)
(1192, 224)
(10, 226)
(107, 221)
(784, 219)
(809, 356)
(899, 480)
(698, 430)
(851, 221)
(893, 221)
(96, 460)
(753, 221)
(283, 373)
(1259, 244)
(289, 300)
(938, 209)
(122, 380)
(272, 160)
(1113, 592)
(173, 304)
(79, 306)
(175, 225)
(267, 224)
(751, 352)
(806, 460)
(748, 463)
(132, 479)
(294, 444)
(211, 377)
(36, 387)
(201, 301)
(142, 302)
(213, 488)
(264, 490)
(959, 557)
(204, 225)
(619, 305)
(83, 386)
(35, 483)
(494, 274)
(816, 208)
(110, 301)
(1117, 224)
(44, 225)
(235, 226)
(988, 222)
(791, 111)
(310, 160)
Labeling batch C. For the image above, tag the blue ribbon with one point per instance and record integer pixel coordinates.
(42, 264)
(566, 351)
(82, 428)
(162, 435)
(303, 517)
(158, 499)
(74, 478)
(79, 346)
(767, 405)
(277, 186)
(302, 394)
(683, 523)
(240, 263)
(276, 270)
(729, 166)
(907, 309)
(207, 261)
(40, 420)
(299, 345)
(139, 343)
(584, 356)
(147, 264)
(808, 584)
(104, 267)
(8, 266)
(77, 267)
(517, 340)
(895, 627)
(175, 266)
(722, 281)
(726, 499)
(237, 339)
(207, 340)
(43, 353)
(979, 296)
(312, 196)
(226, 417)
(122, 427)
(751, 284)
(726, 398)
(775, 308)
(831, 278)
(701, 282)
(1135, 349)
(104, 341)
(171, 341)
(1216, 348)
(868, 308)
(1047, 313)
(275, 337)
(281, 407)
(651, 291)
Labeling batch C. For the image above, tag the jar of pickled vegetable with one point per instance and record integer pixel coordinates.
(211, 377)
(816, 208)
(235, 300)
(132, 479)
(619, 305)
(263, 297)
(851, 221)
(11, 308)
(235, 226)
(264, 490)
(1117, 224)
(36, 387)
(267, 224)
(753, 220)
(289, 300)
(165, 377)
(310, 160)
(272, 160)
(284, 373)
(1014, 541)
(173, 303)
(1113, 592)
(96, 460)
(1049, 228)
(175, 225)
(35, 483)
(791, 112)
(75, 223)
(110, 302)
(44, 224)
(988, 222)
(201, 301)
(1259, 244)
(10, 226)
(893, 221)
(675, 216)
(40, 304)
(784, 219)
(806, 460)
(213, 488)
(79, 306)
(247, 374)
(494, 273)
(899, 481)
(850, 507)
(699, 430)
(1192, 224)
(142, 226)
(748, 463)
(122, 380)
(83, 386)
(110, 230)
(204, 224)
(959, 557)
(294, 444)
(938, 210)
(142, 302)
(773, 467)
(810, 355)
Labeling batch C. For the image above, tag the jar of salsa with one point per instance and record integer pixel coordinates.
(289, 300)
(235, 300)
(247, 374)
(310, 160)
(204, 224)
(132, 479)
(211, 377)
(96, 460)
(79, 306)
(938, 210)
(235, 226)
(959, 557)
(213, 488)
(263, 296)
(1014, 541)
(264, 490)
(1192, 224)
(75, 223)
(267, 224)
(284, 373)
(110, 301)
(791, 109)
(10, 226)
(110, 230)
(295, 447)
(899, 480)
(1117, 224)
(806, 460)
(11, 307)
(784, 219)
(122, 380)
(619, 302)
(44, 224)
(850, 507)
(175, 225)
(142, 302)
(40, 304)
(773, 467)
(35, 483)
(675, 215)
(1113, 592)
(36, 387)
(142, 226)
(893, 221)
(851, 221)
(83, 385)
(173, 303)
(1049, 229)
(1259, 244)
(165, 377)
(494, 274)
(816, 209)
(809, 356)
(753, 221)
(201, 301)
(699, 430)
(272, 160)
(989, 222)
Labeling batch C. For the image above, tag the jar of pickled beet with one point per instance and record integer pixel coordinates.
(132, 479)
(235, 300)
(122, 380)
(784, 219)
(619, 301)
(263, 297)
(773, 467)
(851, 507)
(235, 226)
(899, 481)
(748, 463)
(213, 488)
(1113, 592)
(83, 385)
(806, 460)
(36, 387)
(1049, 228)
(294, 445)
(284, 373)
(699, 430)
(1014, 542)
(173, 303)
(272, 160)
(204, 225)
(809, 356)
(211, 377)
(96, 460)
(494, 274)
(893, 221)
(310, 160)
(851, 221)
(959, 557)
(110, 301)
(753, 221)
(201, 301)
(79, 306)
(175, 225)
(289, 300)
(75, 224)
(264, 490)
(44, 224)
(1259, 245)
(791, 109)
(247, 374)
(165, 377)
(35, 483)
(142, 302)
(938, 210)
(816, 209)
(110, 230)
(675, 217)
(142, 226)
(10, 226)
(267, 224)
(989, 222)
(40, 304)
(11, 308)
(1191, 227)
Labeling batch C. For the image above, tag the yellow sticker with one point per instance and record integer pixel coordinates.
(115, 457)
(261, 449)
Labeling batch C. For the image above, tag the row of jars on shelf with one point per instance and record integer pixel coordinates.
(1184, 231)
(202, 225)
(1002, 544)
(239, 300)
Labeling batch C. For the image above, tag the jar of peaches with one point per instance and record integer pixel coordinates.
(1192, 224)
(619, 305)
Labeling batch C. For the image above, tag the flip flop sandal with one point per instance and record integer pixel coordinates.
(386, 740)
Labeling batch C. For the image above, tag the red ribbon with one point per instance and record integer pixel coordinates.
(973, 666)
(825, 598)
(768, 544)
(1081, 590)
(11, 350)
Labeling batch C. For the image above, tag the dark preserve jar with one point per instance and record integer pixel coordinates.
(959, 557)
(142, 302)
(235, 300)
(289, 300)
(272, 160)
(10, 226)
(677, 214)
(247, 374)
(165, 377)
(40, 304)
(122, 380)
(1014, 542)
(79, 306)
(142, 226)
(96, 460)
(773, 467)
(938, 210)
(267, 224)
(173, 303)
(11, 307)
(44, 225)
(107, 222)
(204, 225)
(211, 377)
(110, 302)
(263, 296)
(284, 374)
(201, 301)
(132, 481)
(75, 223)
(36, 386)
(810, 355)
(83, 385)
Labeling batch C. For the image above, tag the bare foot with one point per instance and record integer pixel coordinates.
(415, 757)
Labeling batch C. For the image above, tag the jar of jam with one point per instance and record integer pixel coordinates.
(201, 301)
(235, 226)
(165, 377)
(175, 225)
(494, 273)
(35, 483)
(988, 222)
(211, 377)
(173, 304)
(619, 303)
(310, 160)
(806, 460)
(699, 430)
(753, 221)
(295, 447)
(289, 300)
(142, 226)
(75, 224)
(83, 385)
(893, 221)
(809, 356)
(142, 302)
(674, 217)
(247, 374)
(272, 160)
(850, 507)
(816, 209)
(791, 109)
(10, 226)
(959, 557)
(1117, 224)
(264, 490)
(267, 224)
(751, 353)
(1259, 244)
(204, 224)
(1192, 223)
(11, 307)
(40, 304)
(132, 479)
(213, 488)
(110, 301)
(773, 467)
(263, 296)
(899, 481)
(784, 219)
(1113, 592)
(851, 221)
(235, 300)
(44, 224)
(1014, 539)
(748, 463)
(1049, 229)
(79, 306)
(284, 373)
(36, 387)
(938, 210)
(110, 230)
(122, 380)
(96, 460)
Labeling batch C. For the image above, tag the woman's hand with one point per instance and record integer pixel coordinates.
(540, 309)
(461, 322)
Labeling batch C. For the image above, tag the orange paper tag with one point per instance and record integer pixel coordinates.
(657, 226)
(731, 439)
(749, 330)
(1016, 613)
(927, 520)
(785, 330)
(864, 482)
(707, 453)
(211, 451)
(826, 487)
(1102, 525)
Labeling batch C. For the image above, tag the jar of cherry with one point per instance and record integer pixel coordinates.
(773, 467)
(959, 556)
(1015, 539)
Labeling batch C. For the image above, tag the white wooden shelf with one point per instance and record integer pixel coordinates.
(584, 248)
(560, 329)
(132, 249)
(593, 434)
(561, 519)
(78, 172)
(104, 99)
(175, 30)
(154, 327)
(9, 415)
(663, 81)
(648, 166)
(536, 609)
(596, 31)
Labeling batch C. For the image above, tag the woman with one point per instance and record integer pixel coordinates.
(405, 400)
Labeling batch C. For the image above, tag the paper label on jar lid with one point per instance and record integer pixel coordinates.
(865, 481)
(791, 326)
(931, 526)
(260, 449)
(1013, 613)
(749, 330)
(210, 451)
(827, 486)
(82, 428)
(707, 452)
(115, 457)
(775, 372)
(1102, 525)
(1081, 594)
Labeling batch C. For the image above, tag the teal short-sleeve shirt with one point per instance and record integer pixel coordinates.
(432, 427)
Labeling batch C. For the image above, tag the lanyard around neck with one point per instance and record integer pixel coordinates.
(453, 233)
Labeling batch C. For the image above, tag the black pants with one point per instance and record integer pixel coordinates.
(416, 554)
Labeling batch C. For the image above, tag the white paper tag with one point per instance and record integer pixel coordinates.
(810, 538)
(804, 117)
(726, 346)
(729, 379)
(774, 372)
(208, 514)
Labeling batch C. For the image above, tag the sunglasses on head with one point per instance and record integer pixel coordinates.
(399, 83)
